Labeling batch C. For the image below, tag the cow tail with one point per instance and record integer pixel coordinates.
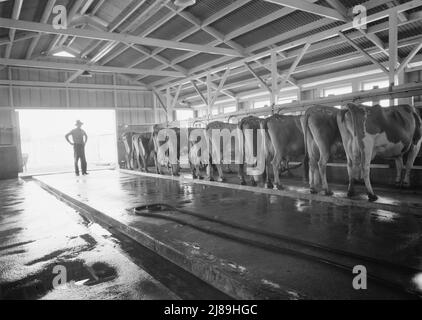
(352, 110)
(265, 141)
(305, 136)
(417, 136)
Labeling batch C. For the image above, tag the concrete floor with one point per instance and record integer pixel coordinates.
(255, 245)
(39, 232)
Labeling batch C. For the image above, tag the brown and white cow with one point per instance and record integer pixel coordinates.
(127, 143)
(286, 138)
(322, 135)
(218, 148)
(375, 131)
(250, 149)
(143, 148)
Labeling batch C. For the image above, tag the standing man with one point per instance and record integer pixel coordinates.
(79, 138)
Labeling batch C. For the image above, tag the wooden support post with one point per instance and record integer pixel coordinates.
(274, 78)
(169, 105)
(393, 38)
(220, 86)
(257, 77)
(364, 53)
(201, 95)
(209, 94)
(393, 47)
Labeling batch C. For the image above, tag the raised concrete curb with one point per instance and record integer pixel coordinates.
(337, 200)
(237, 286)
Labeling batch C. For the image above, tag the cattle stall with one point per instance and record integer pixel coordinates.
(209, 150)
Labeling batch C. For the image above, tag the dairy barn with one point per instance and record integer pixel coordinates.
(210, 150)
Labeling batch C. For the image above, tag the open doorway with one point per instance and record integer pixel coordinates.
(45, 150)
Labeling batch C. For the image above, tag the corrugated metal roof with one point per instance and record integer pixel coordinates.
(290, 22)
(171, 28)
(246, 14)
(205, 8)
(113, 10)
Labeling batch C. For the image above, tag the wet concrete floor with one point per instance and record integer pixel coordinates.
(41, 237)
(347, 235)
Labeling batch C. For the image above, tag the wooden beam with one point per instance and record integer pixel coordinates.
(200, 94)
(409, 58)
(257, 77)
(209, 93)
(176, 97)
(157, 95)
(363, 52)
(393, 50)
(337, 5)
(295, 64)
(94, 68)
(310, 7)
(275, 89)
(46, 14)
(17, 7)
(220, 86)
(124, 38)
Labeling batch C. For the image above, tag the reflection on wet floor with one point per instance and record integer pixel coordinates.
(39, 234)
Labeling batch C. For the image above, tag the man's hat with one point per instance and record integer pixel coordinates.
(78, 122)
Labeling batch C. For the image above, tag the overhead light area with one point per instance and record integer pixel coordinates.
(64, 54)
(184, 3)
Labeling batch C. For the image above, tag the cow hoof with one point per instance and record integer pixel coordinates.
(398, 184)
(406, 185)
(268, 185)
(243, 183)
(220, 180)
(328, 193)
(253, 183)
(278, 187)
(372, 197)
(314, 191)
(350, 193)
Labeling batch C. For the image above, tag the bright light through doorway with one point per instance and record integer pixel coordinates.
(45, 147)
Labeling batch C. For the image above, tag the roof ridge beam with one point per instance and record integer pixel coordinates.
(125, 38)
(93, 68)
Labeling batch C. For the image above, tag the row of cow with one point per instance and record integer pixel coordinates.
(364, 132)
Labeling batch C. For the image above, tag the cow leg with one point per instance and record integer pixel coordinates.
(276, 168)
(193, 170)
(366, 158)
(313, 175)
(144, 163)
(210, 171)
(220, 173)
(174, 170)
(138, 160)
(413, 153)
(268, 184)
(399, 171)
(322, 165)
(242, 174)
(157, 165)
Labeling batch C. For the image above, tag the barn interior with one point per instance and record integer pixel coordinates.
(125, 231)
